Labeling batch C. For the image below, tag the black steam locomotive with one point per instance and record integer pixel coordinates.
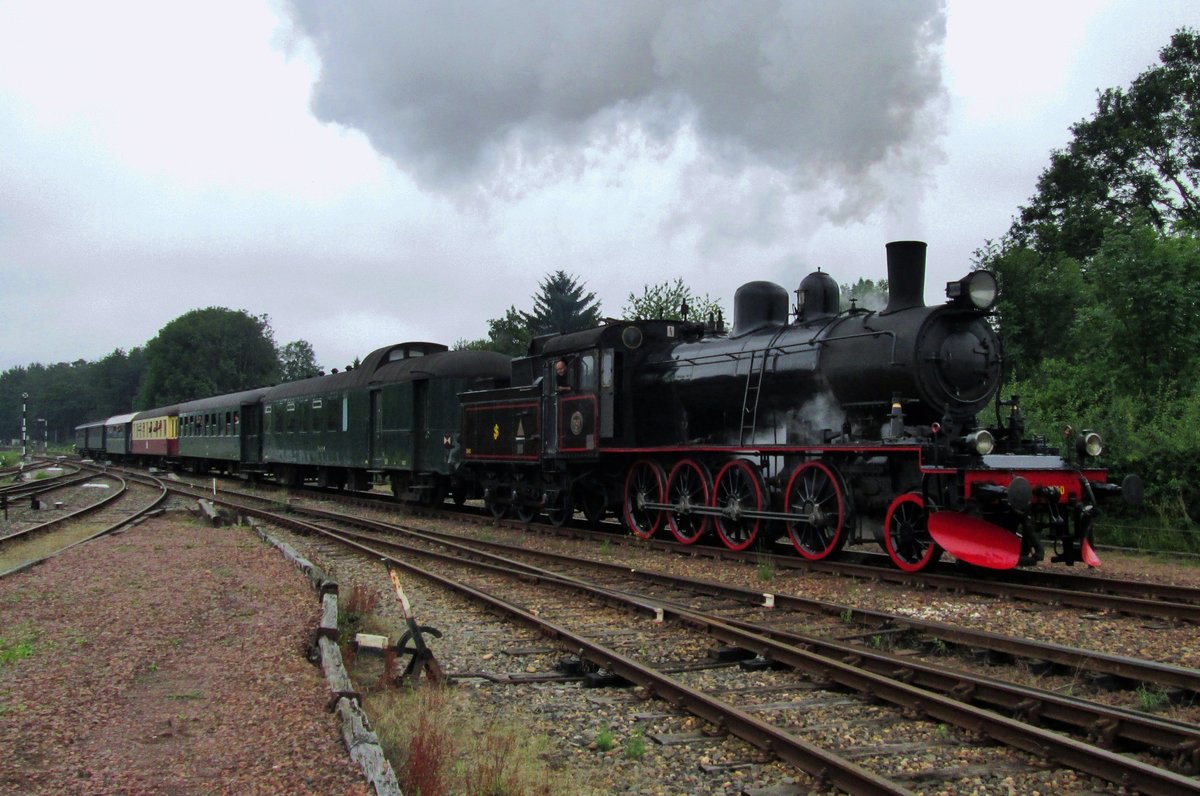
(810, 424)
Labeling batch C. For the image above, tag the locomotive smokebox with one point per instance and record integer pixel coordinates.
(906, 274)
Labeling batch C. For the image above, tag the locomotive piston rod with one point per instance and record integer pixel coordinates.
(732, 513)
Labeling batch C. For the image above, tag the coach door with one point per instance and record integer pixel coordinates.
(376, 436)
(420, 425)
(251, 434)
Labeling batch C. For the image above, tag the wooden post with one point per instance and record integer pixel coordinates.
(422, 660)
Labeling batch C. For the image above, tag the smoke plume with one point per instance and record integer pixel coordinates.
(464, 95)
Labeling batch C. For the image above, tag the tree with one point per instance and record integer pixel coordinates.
(1039, 299)
(1137, 157)
(115, 381)
(561, 307)
(510, 334)
(208, 352)
(1139, 322)
(665, 300)
(868, 294)
(297, 361)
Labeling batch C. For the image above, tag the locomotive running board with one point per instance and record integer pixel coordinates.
(975, 541)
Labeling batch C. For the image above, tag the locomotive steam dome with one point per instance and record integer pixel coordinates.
(819, 297)
(759, 305)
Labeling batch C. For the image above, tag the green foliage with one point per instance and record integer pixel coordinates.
(297, 361)
(635, 746)
(605, 740)
(17, 643)
(1100, 286)
(1151, 697)
(1138, 156)
(868, 294)
(561, 307)
(665, 301)
(511, 334)
(1040, 295)
(208, 352)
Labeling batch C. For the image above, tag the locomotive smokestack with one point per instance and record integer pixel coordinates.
(906, 274)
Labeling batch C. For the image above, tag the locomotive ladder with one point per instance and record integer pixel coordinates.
(750, 399)
(754, 380)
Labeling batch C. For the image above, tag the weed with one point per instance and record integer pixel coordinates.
(352, 617)
(766, 567)
(1152, 698)
(635, 746)
(943, 731)
(606, 548)
(430, 750)
(940, 646)
(877, 641)
(440, 745)
(18, 644)
(605, 740)
(847, 616)
(190, 695)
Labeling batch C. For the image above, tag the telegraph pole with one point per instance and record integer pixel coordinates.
(24, 426)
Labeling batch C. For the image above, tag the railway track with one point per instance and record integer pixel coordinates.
(33, 541)
(931, 691)
(1093, 592)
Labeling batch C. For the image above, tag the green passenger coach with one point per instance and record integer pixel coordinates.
(394, 420)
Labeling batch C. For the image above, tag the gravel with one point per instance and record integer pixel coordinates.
(171, 659)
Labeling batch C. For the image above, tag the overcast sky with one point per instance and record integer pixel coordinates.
(371, 172)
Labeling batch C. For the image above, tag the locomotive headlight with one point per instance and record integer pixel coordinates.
(1089, 444)
(977, 288)
(981, 441)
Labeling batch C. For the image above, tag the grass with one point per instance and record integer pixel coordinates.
(605, 740)
(635, 746)
(356, 613)
(17, 643)
(766, 566)
(439, 744)
(1152, 698)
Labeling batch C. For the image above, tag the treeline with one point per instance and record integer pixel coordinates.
(216, 350)
(1100, 282)
(203, 352)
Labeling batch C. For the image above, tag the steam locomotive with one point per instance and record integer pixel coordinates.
(816, 426)
(806, 425)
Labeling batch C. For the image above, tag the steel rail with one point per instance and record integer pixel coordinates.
(1133, 669)
(110, 529)
(1105, 722)
(1081, 756)
(826, 766)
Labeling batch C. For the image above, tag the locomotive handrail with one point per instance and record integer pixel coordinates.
(785, 348)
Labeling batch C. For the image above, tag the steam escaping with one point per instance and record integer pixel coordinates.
(485, 94)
